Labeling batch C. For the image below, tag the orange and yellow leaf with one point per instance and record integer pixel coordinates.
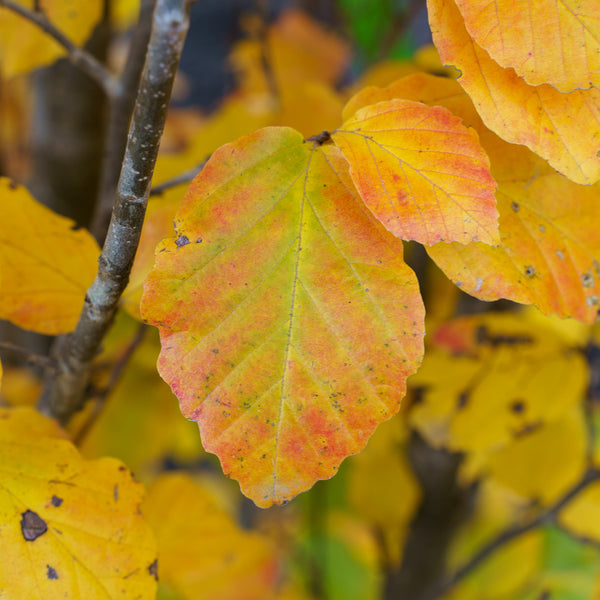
(564, 129)
(46, 265)
(70, 528)
(422, 173)
(544, 41)
(289, 321)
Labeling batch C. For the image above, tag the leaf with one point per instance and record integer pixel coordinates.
(70, 528)
(549, 250)
(490, 379)
(564, 129)
(544, 41)
(263, 351)
(46, 265)
(24, 46)
(421, 172)
(203, 554)
(543, 463)
(582, 515)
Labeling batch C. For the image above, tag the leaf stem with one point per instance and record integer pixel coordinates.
(589, 477)
(35, 359)
(78, 56)
(65, 391)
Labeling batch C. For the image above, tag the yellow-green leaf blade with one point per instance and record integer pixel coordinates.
(45, 265)
(421, 172)
(289, 320)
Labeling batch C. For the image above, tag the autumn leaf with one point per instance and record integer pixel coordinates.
(422, 173)
(564, 129)
(289, 321)
(544, 41)
(549, 250)
(46, 265)
(24, 46)
(203, 553)
(70, 528)
(490, 379)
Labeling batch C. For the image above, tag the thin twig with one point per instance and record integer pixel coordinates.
(547, 516)
(78, 56)
(120, 111)
(102, 394)
(34, 359)
(65, 392)
(184, 177)
(265, 50)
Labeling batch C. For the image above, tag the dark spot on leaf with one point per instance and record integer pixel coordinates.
(153, 569)
(518, 406)
(527, 429)
(12, 185)
(320, 138)
(182, 240)
(56, 501)
(530, 271)
(515, 206)
(32, 526)
(215, 351)
(462, 400)
(199, 241)
(51, 572)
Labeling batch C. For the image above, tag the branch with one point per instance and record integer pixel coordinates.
(35, 359)
(510, 534)
(184, 177)
(120, 111)
(78, 56)
(65, 392)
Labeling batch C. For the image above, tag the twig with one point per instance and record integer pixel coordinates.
(65, 392)
(590, 476)
(35, 359)
(184, 177)
(78, 56)
(101, 395)
(266, 62)
(120, 111)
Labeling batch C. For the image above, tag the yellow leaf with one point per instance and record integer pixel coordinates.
(543, 40)
(46, 265)
(203, 554)
(490, 379)
(24, 46)
(582, 515)
(543, 463)
(70, 528)
(564, 129)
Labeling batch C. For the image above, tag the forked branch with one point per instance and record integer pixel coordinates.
(78, 56)
(65, 391)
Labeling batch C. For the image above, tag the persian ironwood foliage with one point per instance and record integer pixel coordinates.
(292, 327)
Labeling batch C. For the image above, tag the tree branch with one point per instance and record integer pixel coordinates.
(547, 516)
(65, 392)
(120, 111)
(37, 360)
(78, 56)
(184, 177)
